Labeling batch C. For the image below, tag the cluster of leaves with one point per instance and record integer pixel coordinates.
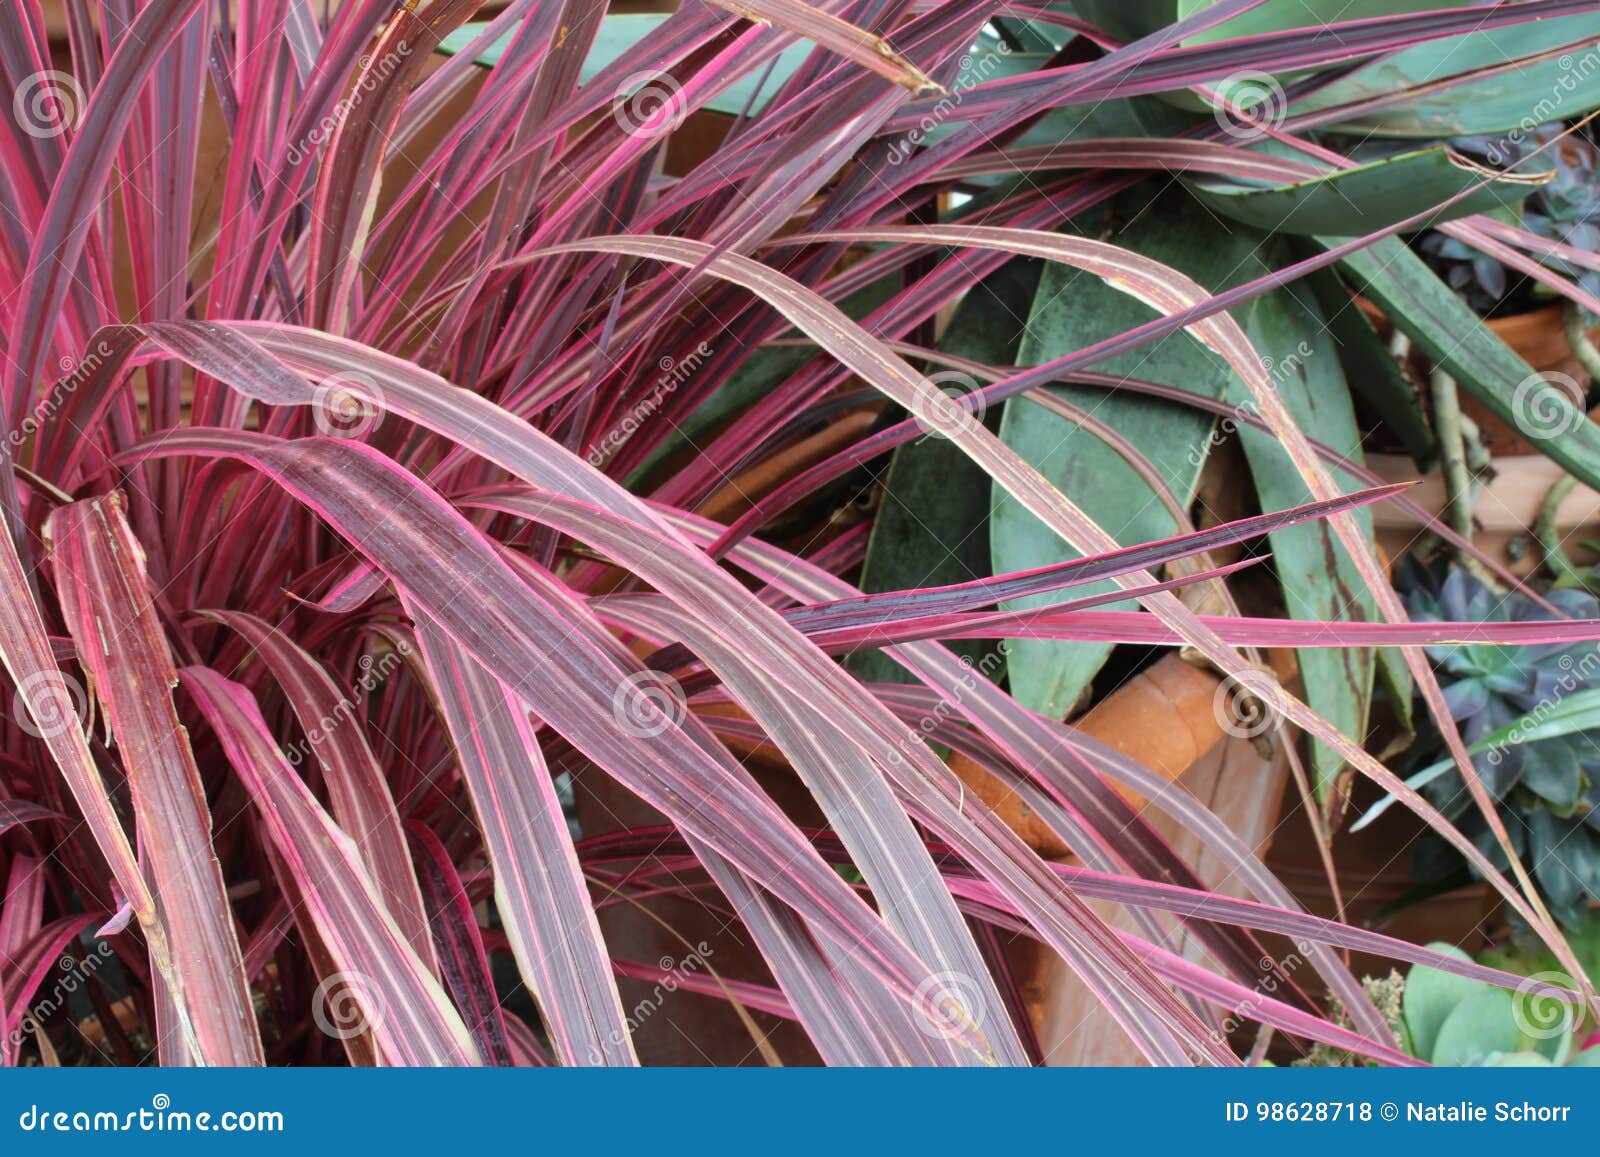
(1546, 777)
(356, 490)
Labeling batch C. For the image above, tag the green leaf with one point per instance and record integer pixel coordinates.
(1074, 310)
(1431, 996)
(1531, 94)
(933, 526)
(1371, 197)
(1453, 337)
(1478, 1028)
(1374, 375)
(1319, 578)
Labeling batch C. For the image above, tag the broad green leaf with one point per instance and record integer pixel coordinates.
(1374, 376)
(1558, 88)
(1134, 18)
(1319, 579)
(1480, 1027)
(1453, 337)
(933, 526)
(1370, 197)
(1431, 996)
(1073, 310)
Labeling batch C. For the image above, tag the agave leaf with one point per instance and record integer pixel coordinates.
(403, 1005)
(1071, 311)
(1441, 325)
(1503, 100)
(110, 609)
(932, 527)
(1358, 201)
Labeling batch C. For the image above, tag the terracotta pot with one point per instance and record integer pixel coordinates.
(1505, 513)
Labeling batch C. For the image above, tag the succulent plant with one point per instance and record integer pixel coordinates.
(1566, 210)
(1548, 786)
(1454, 1021)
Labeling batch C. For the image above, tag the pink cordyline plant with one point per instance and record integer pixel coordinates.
(354, 487)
